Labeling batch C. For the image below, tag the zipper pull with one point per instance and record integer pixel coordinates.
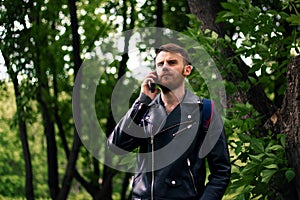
(188, 162)
(151, 133)
(152, 139)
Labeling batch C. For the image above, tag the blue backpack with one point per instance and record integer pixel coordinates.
(208, 107)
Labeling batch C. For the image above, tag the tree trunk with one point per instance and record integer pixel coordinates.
(292, 125)
(159, 13)
(125, 185)
(44, 99)
(287, 120)
(48, 124)
(159, 22)
(108, 173)
(58, 120)
(29, 191)
(207, 11)
(70, 170)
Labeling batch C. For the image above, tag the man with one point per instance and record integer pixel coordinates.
(166, 126)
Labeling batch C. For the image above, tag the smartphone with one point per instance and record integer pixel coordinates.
(151, 85)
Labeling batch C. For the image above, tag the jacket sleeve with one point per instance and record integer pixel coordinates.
(127, 133)
(218, 161)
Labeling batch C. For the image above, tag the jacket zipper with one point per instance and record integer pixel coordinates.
(152, 153)
(152, 164)
(187, 127)
(191, 174)
(176, 125)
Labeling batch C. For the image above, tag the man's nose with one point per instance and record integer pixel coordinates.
(165, 65)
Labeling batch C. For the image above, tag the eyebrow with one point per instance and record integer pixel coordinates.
(168, 61)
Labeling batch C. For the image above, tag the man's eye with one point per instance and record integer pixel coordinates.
(172, 62)
(159, 64)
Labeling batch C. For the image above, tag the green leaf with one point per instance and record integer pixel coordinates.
(290, 174)
(282, 138)
(274, 148)
(238, 149)
(271, 166)
(257, 145)
(284, 15)
(235, 175)
(244, 138)
(272, 155)
(240, 197)
(267, 175)
(228, 15)
(262, 47)
(260, 188)
(227, 38)
(294, 19)
(233, 7)
(257, 157)
(268, 161)
(250, 169)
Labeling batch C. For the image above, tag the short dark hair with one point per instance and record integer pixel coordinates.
(174, 48)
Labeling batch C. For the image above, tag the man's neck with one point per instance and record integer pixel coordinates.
(172, 98)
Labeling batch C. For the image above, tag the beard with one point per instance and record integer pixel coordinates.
(169, 81)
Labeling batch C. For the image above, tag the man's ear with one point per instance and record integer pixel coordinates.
(187, 70)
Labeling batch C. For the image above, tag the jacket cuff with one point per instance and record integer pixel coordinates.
(143, 98)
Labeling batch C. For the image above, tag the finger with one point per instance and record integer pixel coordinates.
(150, 79)
(152, 75)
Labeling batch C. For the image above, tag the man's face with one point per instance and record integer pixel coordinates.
(169, 68)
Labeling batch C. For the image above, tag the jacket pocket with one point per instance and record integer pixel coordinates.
(173, 182)
(177, 187)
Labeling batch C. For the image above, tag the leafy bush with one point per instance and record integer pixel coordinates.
(259, 164)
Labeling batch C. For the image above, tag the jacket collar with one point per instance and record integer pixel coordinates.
(189, 98)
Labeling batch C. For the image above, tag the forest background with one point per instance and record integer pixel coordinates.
(254, 44)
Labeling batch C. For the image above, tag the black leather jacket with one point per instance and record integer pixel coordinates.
(169, 165)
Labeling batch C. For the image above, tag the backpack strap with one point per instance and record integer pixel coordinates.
(208, 107)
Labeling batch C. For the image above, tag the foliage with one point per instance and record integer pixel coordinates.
(37, 47)
(174, 14)
(259, 163)
(9, 148)
(266, 167)
(263, 38)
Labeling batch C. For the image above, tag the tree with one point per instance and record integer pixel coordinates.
(72, 158)
(13, 60)
(286, 120)
(253, 24)
(290, 115)
(29, 191)
(36, 29)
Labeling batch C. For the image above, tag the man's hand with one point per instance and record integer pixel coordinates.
(145, 87)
